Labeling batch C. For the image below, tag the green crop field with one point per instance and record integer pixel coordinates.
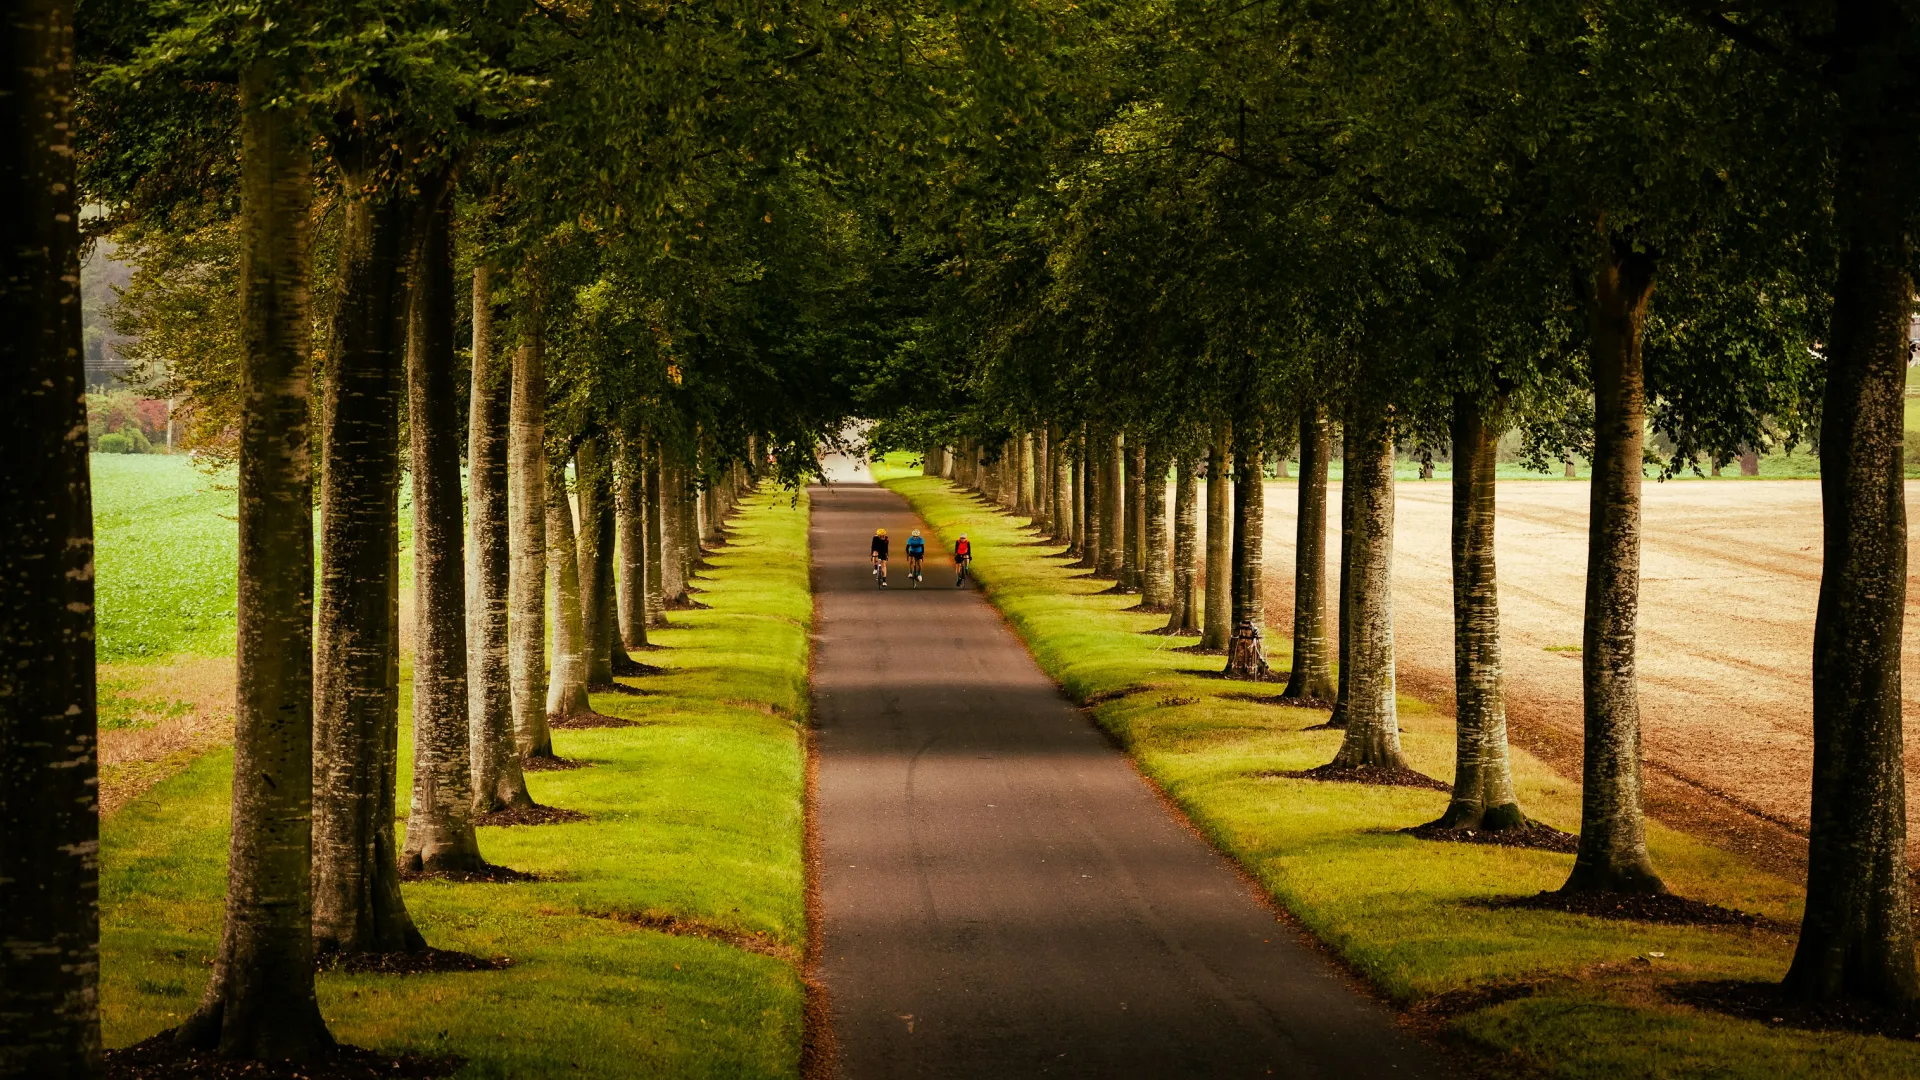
(165, 545)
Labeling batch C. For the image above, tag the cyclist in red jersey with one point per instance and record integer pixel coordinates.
(962, 555)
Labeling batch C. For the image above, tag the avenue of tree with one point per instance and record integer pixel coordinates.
(620, 263)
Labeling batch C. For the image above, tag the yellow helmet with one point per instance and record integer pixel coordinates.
(879, 532)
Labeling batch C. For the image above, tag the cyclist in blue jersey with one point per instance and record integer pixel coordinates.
(916, 551)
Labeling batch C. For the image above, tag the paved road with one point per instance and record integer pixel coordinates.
(1003, 895)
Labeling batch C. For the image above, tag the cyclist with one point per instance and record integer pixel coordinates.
(962, 555)
(879, 552)
(916, 551)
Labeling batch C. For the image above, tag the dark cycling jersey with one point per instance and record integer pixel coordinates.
(880, 546)
(916, 547)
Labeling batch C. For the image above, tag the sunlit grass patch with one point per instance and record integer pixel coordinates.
(1415, 917)
(695, 816)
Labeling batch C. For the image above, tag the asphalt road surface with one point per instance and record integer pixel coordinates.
(1003, 895)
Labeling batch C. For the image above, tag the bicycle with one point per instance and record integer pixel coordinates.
(961, 580)
(914, 567)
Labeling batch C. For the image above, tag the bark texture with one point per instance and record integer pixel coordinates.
(657, 560)
(1373, 718)
(1246, 648)
(1218, 624)
(440, 832)
(1113, 509)
(527, 510)
(630, 508)
(567, 673)
(1133, 557)
(497, 780)
(1156, 571)
(1613, 826)
(259, 1002)
(1184, 609)
(1024, 484)
(594, 469)
(356, 888)
(1060, 460)
(49, 869)
(1312, 676)
(1857, 935)
(1482, 774)
(1349, 452)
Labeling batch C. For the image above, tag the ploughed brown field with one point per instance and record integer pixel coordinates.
(1730, 577)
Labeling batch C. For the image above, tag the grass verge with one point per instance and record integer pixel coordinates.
(1530, 992)
(695, 825)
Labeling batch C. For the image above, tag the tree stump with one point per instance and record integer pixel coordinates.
(1247, 654)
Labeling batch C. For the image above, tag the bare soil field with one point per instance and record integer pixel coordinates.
(1730, 576)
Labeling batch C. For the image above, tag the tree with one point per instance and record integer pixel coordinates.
(440, 835)
(49, 871)
(259, 1002)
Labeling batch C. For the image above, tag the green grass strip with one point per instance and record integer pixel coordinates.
(1409, 915)
(696, 816)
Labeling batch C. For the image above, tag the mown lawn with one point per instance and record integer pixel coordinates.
(695, 815)
(1411, 916)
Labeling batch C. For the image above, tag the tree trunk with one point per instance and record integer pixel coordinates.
(440, 822)
(673, 562)
(356, 885)
(1184, 608)
(527, 510)
(1156, 573)
(1113, 509)
(630, 507)
(1135, 574)
(1613, 826)
(1349, 453)
(686, 504)
(49, 862)
(1373, 717)
(1482, 776)
(1857, 935)
(1043, 482)
(1246, 648)
(594, 481)
(1023, 484)
(1086, 510)
(1218, 625)
(259, 1003)
(1750, 462)
(1060, 458)
(1312, 676)
(659, 563)
(567, 677)
(497, 780)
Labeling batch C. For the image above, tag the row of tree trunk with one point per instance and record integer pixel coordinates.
(1107, 505)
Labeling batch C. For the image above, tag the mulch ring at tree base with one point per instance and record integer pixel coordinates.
(578, 721)
(1640, 907)
(1532, 835)
(490, 875)
(1763, 1002)
(1376, 775)
(552, 764)
(427, 962)
(529, 815)
(161, 1058)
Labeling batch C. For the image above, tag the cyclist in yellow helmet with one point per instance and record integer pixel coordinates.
(879, 552)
